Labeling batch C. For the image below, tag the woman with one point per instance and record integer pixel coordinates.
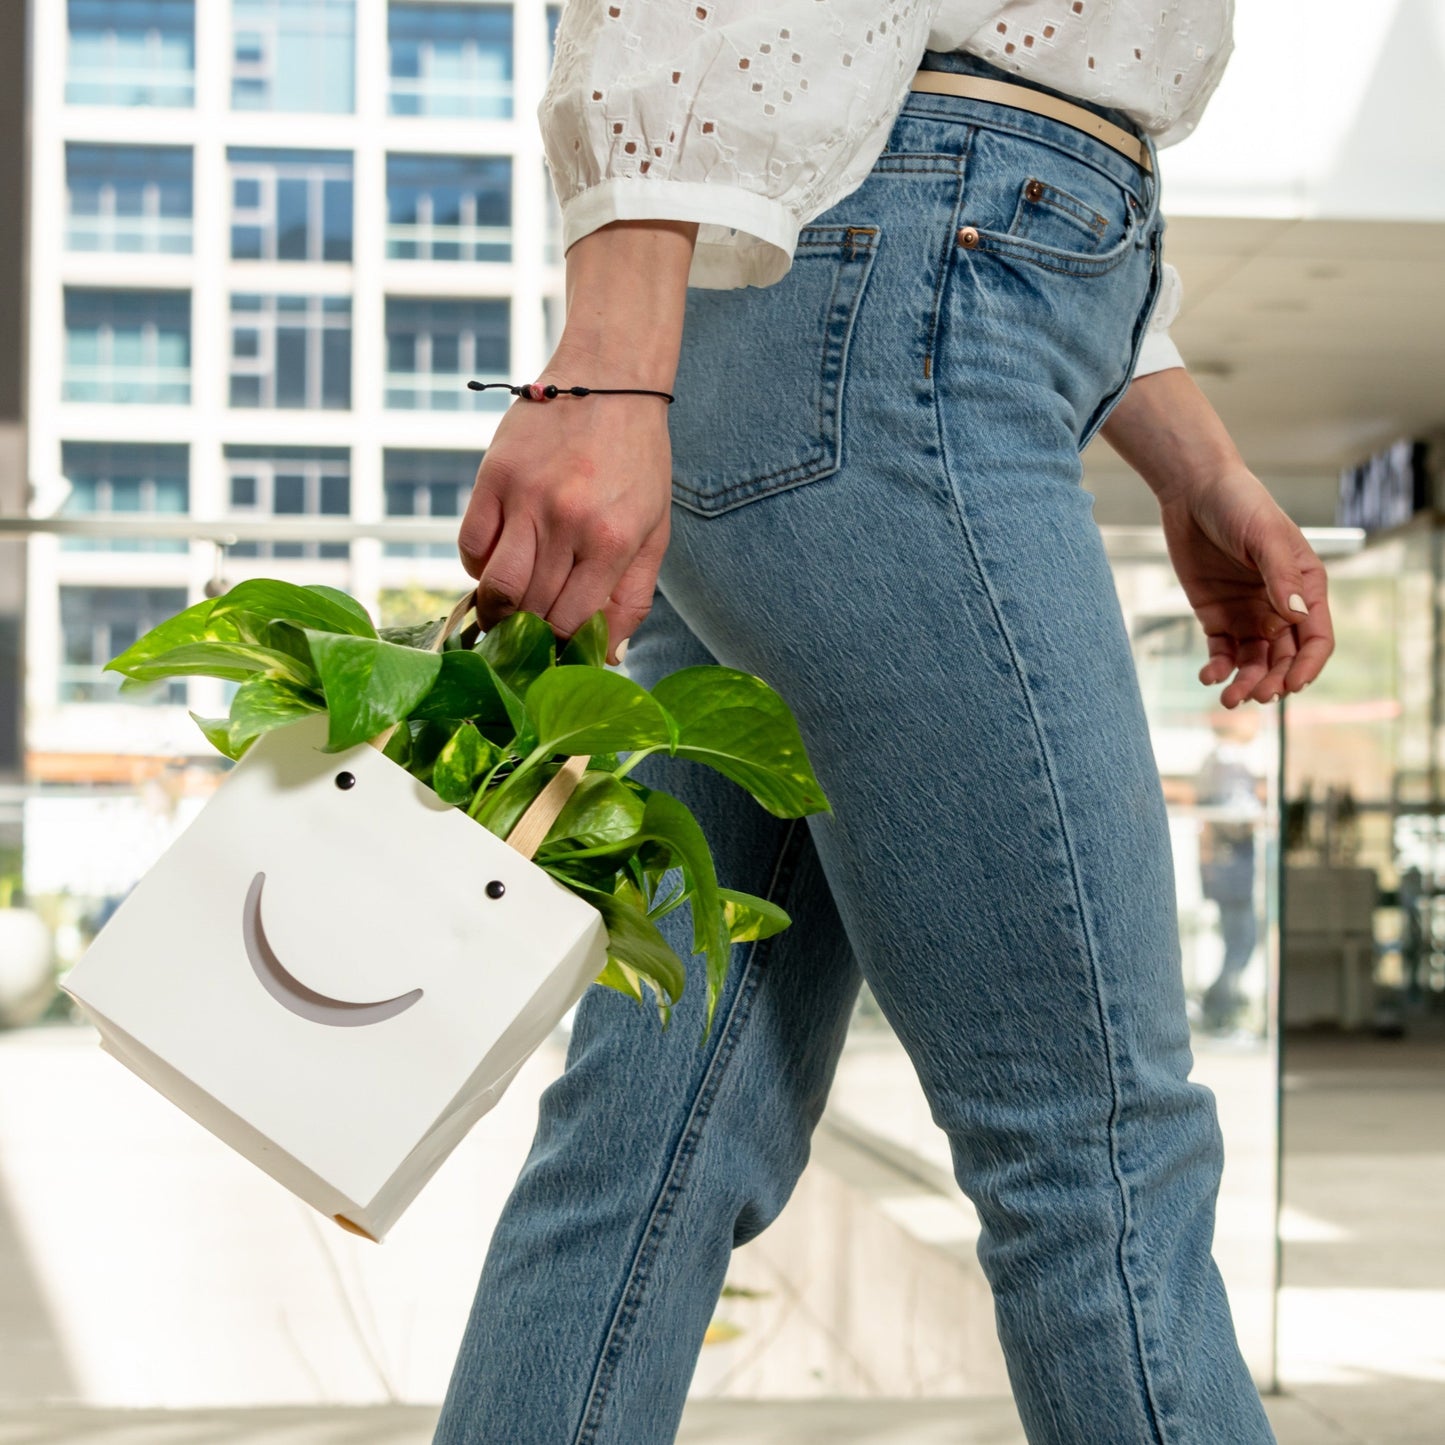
(868, 493)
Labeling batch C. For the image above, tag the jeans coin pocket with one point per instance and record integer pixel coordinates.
(762, 372)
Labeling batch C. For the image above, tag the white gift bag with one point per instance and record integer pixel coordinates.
(337, 973)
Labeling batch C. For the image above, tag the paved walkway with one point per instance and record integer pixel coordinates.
(851, 1422)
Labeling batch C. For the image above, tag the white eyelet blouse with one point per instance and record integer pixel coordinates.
(752, 117)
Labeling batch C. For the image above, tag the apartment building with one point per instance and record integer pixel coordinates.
(271, 240)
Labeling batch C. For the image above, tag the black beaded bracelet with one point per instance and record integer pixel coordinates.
(533, 391)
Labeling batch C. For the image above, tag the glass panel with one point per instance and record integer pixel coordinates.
(292, 216)
(293, 55)
(336, 369)
(136, 53)
(128, 198)
(289, 496)
(114, 477)
(290, 367)
(450, 59)
(336, 221)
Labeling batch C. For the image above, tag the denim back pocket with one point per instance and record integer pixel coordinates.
(761, 377)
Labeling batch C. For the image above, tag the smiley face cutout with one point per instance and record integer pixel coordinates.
(295, 996)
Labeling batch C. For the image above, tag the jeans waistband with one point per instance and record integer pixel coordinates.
(1124, 170)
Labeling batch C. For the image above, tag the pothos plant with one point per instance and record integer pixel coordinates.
(487, 726)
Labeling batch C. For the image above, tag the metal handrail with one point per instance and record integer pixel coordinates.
(1121, 543)
(152, 526)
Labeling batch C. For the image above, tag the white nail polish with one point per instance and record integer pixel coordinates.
(1297, 603)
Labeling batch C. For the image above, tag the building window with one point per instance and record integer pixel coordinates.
(114, 479)
(435, 346)
(291, 351)
(427, 484)
(127, 346)
(97, 623)
(289, 482)
(131, 52)
(297, 55)
(451, 59)
(554, 16)
(128, 198)
(449, 208)
(290, 205)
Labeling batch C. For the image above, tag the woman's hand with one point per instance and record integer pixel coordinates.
(1255, 584)
(570, 511)
(1245, 568)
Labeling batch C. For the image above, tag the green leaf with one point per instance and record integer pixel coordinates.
(736, 723)
(602, 809)
(264, 703)
(521, 648)
(588, 646)
(414, 634)
(190, 626)
(232, 661)
(748, 917)
(468, 687)
(427, 741)
(618, 975)
(587, 710)
(501, 816)
(347, 603)
(369, 684)
(322, 609)
(461, 764)
(217, 731)
(634, 939)
(668, 822)
(399, 746)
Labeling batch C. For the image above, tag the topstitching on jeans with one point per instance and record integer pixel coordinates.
(1091, 950)
(727, 1033)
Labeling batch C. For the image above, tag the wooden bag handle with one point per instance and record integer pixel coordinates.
(531, 828)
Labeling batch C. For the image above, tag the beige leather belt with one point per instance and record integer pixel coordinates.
(1023, 97)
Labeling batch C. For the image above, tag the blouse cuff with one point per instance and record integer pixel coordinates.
(1158, 353)
(743, 239)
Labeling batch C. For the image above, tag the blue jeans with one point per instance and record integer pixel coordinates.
(878, 509)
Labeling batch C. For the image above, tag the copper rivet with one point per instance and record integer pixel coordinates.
(967, 236)
(1033, 190)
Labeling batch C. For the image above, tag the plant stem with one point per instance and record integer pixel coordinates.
(622, 770)
(494, 799)
(481, 794)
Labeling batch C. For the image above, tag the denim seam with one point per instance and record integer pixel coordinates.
(826, 458)
(677, 1172)
(1152, 1409)
(960, 167)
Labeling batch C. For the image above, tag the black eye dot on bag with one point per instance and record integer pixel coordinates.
(346, 781)
(496, 888)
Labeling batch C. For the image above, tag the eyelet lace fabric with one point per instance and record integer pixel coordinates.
(751, 117)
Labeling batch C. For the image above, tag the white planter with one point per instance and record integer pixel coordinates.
(316, 973)
(27, 977)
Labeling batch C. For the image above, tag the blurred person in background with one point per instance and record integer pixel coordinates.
(897, 264)
(1229, 781)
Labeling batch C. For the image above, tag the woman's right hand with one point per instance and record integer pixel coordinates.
(570, 511)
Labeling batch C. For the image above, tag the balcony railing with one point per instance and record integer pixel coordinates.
(478, 99)
(440, 391)
(162, 235)
(160, 85)
(135, 385)
(424, 241)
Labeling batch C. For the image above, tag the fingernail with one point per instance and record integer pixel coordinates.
(621, 648)
(1297, 603)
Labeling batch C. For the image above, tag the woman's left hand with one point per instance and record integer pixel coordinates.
(1246, 567)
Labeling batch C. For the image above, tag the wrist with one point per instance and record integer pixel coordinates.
(626, 294)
